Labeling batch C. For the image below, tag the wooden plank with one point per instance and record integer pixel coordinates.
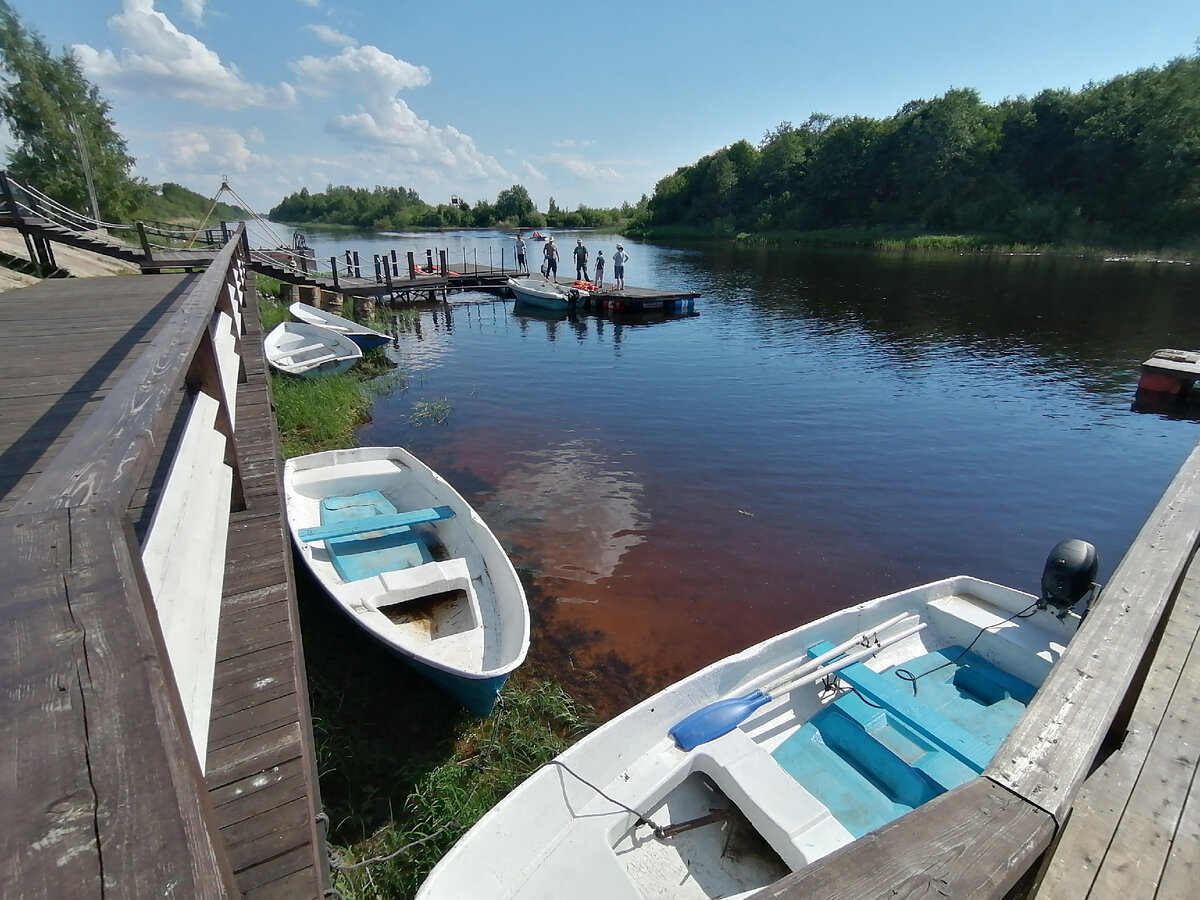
(48, 846)
(960, 844)
(1143, 840)
(147, 828)
(1047, 756)
(1103, 798)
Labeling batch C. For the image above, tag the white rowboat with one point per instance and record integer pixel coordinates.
(365, 337)
(546, 294)
(868, 713)
(412, 564)
(309, 350)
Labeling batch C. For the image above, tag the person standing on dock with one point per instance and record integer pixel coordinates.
(581, 257)
(522, 265)
(619, 260)
(551, 254)
(599, 279)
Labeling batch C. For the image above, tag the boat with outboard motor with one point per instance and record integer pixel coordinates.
(546, 294)
(772, 758)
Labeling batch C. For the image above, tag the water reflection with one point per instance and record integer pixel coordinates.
(831, 427)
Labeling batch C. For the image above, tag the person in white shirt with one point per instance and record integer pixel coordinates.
(619, 260)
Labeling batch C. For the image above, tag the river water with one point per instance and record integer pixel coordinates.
(830, 426)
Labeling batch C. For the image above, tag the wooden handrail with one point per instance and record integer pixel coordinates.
(104, 461)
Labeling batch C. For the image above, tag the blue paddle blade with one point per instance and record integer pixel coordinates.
(716, 719)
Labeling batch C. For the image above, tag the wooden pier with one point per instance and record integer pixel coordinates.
(155, 723)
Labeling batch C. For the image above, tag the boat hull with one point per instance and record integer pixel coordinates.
(544, 294)
(412, 564)
(805, 773)
(366, 338)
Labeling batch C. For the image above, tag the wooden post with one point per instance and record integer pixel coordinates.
(378, 273)
(429, 261)
(141, 230)
(357, 269)
(395, 269)
(412, 266)
(333, 265)
(442, 260)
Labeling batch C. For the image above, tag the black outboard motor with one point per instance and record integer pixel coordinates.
(1070, 574)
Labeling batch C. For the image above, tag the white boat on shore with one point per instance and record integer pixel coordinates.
(365, 337)
(412, 564)
(309, 350)
(767, 760)
(546, 294)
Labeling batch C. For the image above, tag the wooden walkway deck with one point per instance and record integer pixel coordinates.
(1134, 830)
(64, 345)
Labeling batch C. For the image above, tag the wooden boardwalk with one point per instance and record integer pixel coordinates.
(1134, 830)
(115, 802)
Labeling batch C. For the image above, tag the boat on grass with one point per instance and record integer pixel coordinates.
(309, 350)
(367, 338)
(546, 294)
(412, 564)
(767, 760)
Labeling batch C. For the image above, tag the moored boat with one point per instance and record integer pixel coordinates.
(309, 350)
(1171, 372)
(772, 758)
(365, 337)
(412, 564)
(546, 294)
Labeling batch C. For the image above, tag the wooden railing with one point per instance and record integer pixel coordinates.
(988, 836)
(109, 641)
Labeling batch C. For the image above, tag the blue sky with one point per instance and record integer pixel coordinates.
(586, 103)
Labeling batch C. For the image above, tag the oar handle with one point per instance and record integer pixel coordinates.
(834, 667)
(859, 638)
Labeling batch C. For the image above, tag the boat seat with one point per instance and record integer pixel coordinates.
(377, 522)
(795, 823)
(316, 360)
(897, 698)
(305, 348)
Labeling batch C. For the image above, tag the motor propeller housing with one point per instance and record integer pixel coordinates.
(1069, 576)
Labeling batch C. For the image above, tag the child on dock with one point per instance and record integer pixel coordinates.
(599, 279)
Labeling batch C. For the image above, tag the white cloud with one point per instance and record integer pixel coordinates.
(205, 149)
(161, 59)
(583, 168)
(194, 9)
(382, 121)
(332, 36)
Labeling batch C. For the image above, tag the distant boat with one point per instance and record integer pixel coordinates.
(412, 564)
(365, 337)
(769, 759)
(537, 236)
(310, 350)
(546, 294)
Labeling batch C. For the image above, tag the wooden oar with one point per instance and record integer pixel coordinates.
(722, 716)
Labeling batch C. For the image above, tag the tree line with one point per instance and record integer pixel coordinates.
(1113, 161)
(400, 208)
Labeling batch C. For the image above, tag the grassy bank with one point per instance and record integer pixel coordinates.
(892, 239)
(404, 772)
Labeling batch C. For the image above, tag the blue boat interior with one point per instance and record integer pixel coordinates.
(881, 750)
(365, 535)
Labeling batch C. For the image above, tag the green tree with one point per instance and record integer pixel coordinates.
(61, 126)
(514, 204)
